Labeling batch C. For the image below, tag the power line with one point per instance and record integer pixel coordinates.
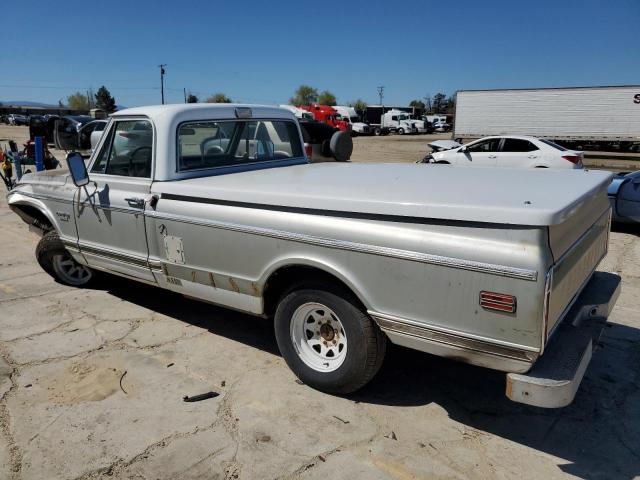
(71, 87)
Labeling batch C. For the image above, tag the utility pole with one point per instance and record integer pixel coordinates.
(381, 93)
(184, 91)
(162, 65)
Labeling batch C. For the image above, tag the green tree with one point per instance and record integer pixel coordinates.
(219, 98)
(439, 103)
(417, 104)
(191, 98)
(327, 98)
(104, 100)
(304, 95)
(358, 104)
(78, 101)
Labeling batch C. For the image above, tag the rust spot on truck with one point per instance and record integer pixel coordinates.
(509, 390)
(193, 275)
(211, 280)
(234, 285)
(256, 289)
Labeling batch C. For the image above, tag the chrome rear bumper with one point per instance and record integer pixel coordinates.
(554, 379)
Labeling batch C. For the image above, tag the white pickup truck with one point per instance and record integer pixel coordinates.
(493, 267)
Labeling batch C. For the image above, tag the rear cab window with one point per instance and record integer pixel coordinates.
(225, 143)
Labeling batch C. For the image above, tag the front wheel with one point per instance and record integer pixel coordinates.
(401, 131)
(58, 262)
(327, 340)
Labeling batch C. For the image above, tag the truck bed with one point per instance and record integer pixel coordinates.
(403, 192)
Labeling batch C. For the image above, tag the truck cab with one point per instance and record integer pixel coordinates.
(399, 122)
(349, 115)
(328, 115)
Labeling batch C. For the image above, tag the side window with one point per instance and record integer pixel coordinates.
(100, 163)
(128, 150)
(490, 145)
(518, 145)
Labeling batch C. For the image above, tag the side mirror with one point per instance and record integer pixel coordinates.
(78, 169)
(462, 150)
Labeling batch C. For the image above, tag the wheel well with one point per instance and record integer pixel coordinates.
(32, 216)
(292, 277)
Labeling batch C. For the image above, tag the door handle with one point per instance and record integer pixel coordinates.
(532, 156)
(492, 156)
(135, 202)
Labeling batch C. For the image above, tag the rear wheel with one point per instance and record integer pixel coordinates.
(377, 131)
(327, 340)
(58, 262)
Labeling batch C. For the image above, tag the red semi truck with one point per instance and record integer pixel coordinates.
(328, 115)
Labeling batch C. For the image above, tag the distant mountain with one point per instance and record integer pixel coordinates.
(24, 103)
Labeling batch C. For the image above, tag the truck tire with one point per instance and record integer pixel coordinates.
(58, 262)
(377, 131)
(327, 340)
(400, 131)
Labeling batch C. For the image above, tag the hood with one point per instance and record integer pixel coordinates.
(57, 176)
(442, 145)
(505, 196)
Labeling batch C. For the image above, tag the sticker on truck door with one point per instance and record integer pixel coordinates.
(173, 249)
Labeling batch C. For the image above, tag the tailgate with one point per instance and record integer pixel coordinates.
(574, 267)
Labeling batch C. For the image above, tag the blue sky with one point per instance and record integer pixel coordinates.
(260, 51)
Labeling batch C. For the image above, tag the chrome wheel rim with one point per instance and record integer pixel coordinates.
(318, 337)
(69, 270)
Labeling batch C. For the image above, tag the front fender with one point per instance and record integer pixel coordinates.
(16, 199)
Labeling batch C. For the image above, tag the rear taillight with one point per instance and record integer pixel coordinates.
(308, 150)
(573, 158)
(498, 301)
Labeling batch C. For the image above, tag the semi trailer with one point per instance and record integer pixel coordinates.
(578, 116)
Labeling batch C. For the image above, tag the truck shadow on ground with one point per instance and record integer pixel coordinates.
(598, 436)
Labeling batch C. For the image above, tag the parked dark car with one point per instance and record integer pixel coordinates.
(624, 196)
(37, 126)
(73, 132)
(50, 120)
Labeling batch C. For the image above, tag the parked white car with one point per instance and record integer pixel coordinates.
(509, 151)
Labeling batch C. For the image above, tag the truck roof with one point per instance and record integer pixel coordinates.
(210, 111)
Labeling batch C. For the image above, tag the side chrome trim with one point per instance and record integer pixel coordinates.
(113, 255)
(457, 339)
(40, 196)
(503, 270)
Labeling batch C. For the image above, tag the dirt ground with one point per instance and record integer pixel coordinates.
(91, 386)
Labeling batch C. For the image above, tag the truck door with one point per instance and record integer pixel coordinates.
(110, 210)
(517, 152)
(482, 153)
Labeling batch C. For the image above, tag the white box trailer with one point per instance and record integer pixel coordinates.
(582, 114)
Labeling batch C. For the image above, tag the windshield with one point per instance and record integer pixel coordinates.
(353, 119)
